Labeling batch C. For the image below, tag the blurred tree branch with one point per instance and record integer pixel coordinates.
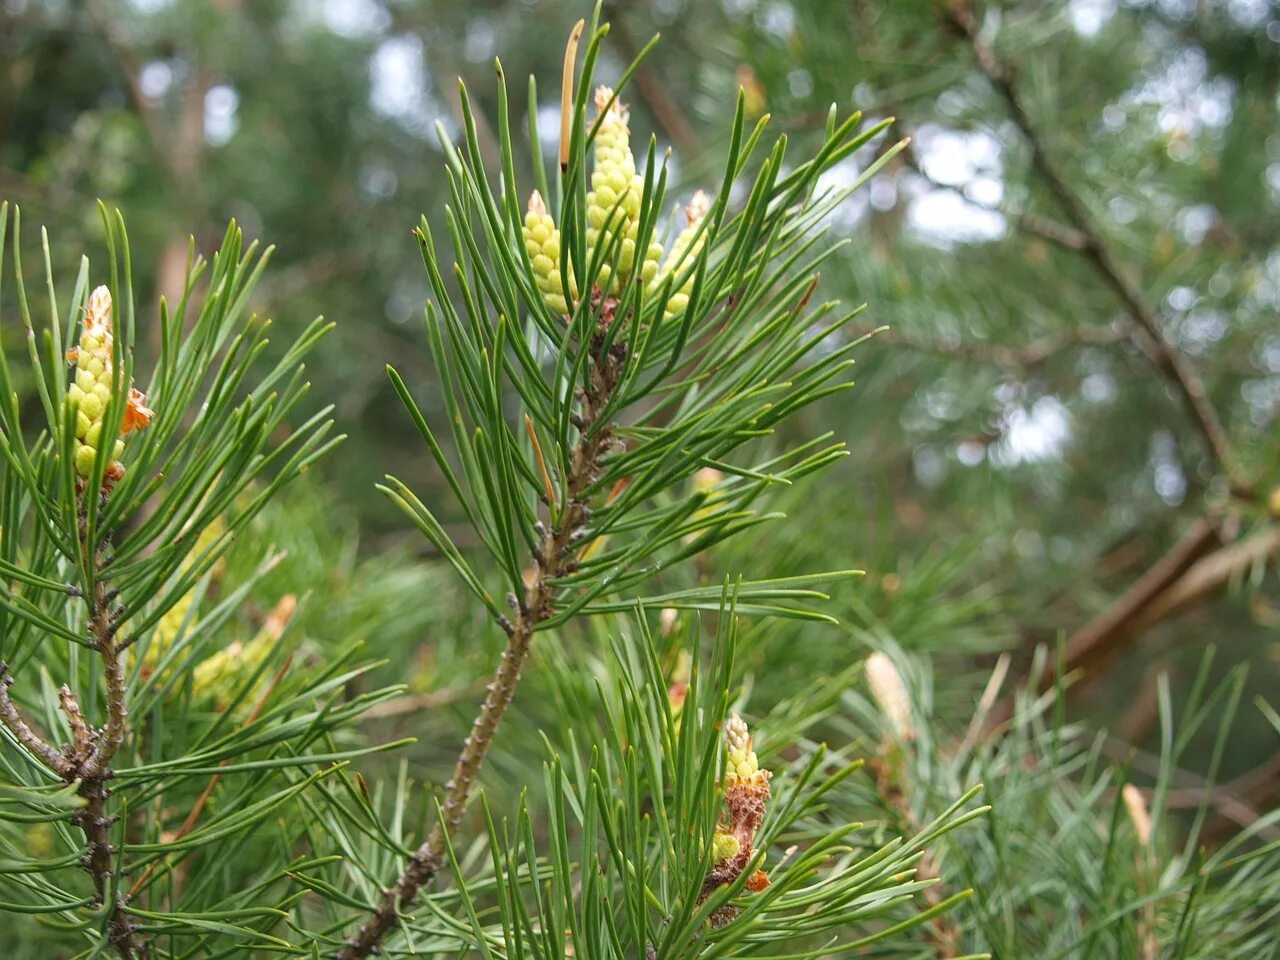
(177, 145)
(1171, 362)
(1020, 357)
(1197, 567)
(653, 91)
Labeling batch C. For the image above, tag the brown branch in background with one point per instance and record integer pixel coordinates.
(1212, 574)
(664, 108)
(1240, 800)
(1052, 231)
(553, 557)
(1238, 803)
(431, 700)
(177, 145)
(1029, 355)
(1101, 638)
(1056, 233)
(1196, 568)
(1170, 361)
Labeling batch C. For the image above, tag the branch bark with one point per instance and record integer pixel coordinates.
(1099, 639)
(1028, 355)
(86, 763)
(553, 557)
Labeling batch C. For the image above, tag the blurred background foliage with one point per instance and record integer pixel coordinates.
(1018, 462)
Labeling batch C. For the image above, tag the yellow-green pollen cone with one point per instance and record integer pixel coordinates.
(218, 677)
(92, 387)
(542, 243)
(613, 203)
(613, 223)
(740, 762)
(684, 253)
(745, 789)
(167, 627)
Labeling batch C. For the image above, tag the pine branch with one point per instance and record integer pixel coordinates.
(553, 558)
(1021, 357)
(86, 763)
(22, 732)
(1101, 638)
(1197, 567)
(1169, 360)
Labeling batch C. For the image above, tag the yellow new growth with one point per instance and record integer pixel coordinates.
(613, 203)
(219, 675)
(723, 846)
(684, 253)
(166, 629)
(613, 224)
(542, 242)
(92, 388)
(740, 761)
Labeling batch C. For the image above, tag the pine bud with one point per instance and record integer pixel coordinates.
(613, 203)
(542, 243)
(1136, 807)
(890, 695)
(741, 763)
(92, 388)
(746, 792)
(723, 846)
(678, 687)
(684, 253)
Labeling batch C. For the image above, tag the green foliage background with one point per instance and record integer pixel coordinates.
(1010, 475)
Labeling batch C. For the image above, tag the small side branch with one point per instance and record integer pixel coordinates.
(30, 740)
(1029, 355)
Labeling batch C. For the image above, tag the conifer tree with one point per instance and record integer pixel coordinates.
(644, 720)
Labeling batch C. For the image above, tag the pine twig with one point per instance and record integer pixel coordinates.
(87, 763)
(553, 557)
(96, 771)
(1169, 360)
(31, 741)
(1030, 354)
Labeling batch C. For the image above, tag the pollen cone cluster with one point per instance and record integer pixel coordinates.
(220, 676)
(746, 791)
(613, 224)
(168, 626)
(684, 253)
(542, 243)
(93, 387)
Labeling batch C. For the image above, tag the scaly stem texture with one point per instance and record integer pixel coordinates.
(552, 558)
(86, 761)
